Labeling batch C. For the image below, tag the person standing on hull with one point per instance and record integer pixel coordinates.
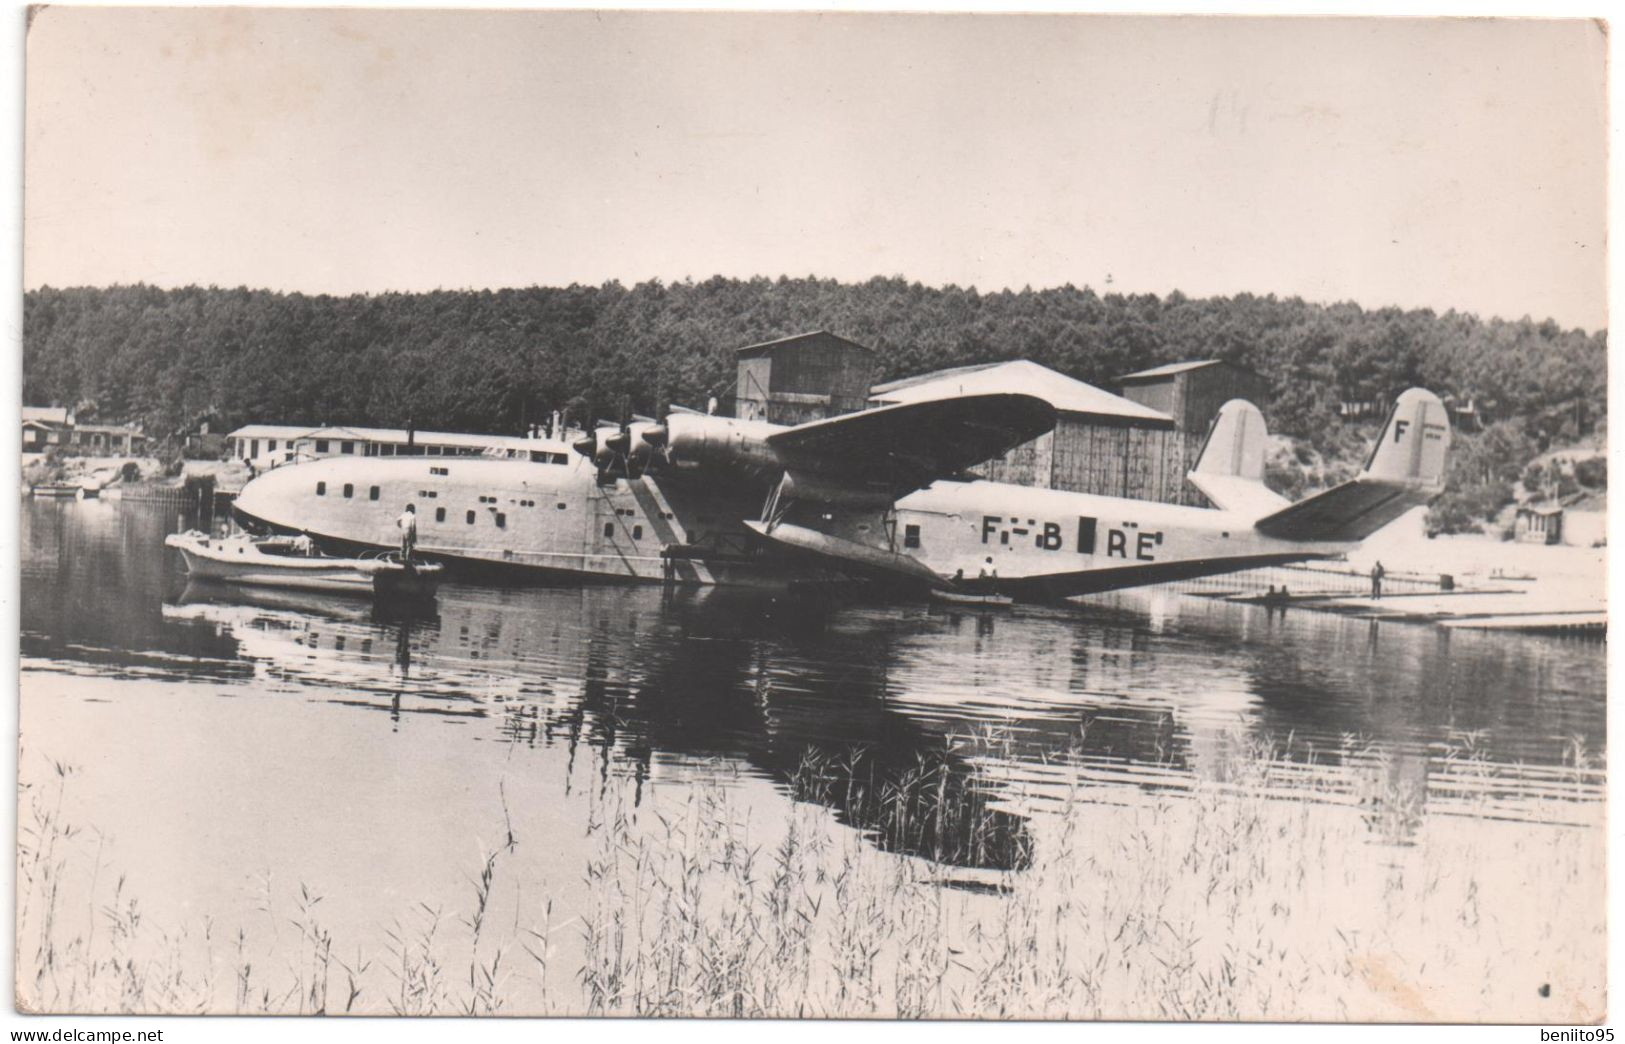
(1376, 580)
(408, 523)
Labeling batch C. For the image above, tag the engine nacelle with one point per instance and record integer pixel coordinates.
(594, 446)
(704, 441)
(633, 444)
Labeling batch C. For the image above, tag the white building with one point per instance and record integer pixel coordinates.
(271, 444)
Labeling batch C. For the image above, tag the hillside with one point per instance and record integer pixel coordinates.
(492, 360)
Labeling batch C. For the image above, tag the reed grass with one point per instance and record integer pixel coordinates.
(1224, 900)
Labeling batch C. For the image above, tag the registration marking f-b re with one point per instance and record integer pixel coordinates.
(1047, 536)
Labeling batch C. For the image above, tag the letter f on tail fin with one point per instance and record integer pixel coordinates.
(1414, 443)
(1406, 469)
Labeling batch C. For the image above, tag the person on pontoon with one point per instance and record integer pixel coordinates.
(408, 523)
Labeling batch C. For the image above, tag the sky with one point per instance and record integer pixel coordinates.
(1421, 163)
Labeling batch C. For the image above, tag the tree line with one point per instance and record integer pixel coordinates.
(495, 360)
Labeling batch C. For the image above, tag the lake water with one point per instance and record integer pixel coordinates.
(230, 748)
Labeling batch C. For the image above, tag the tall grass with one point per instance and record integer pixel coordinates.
(1225, 901)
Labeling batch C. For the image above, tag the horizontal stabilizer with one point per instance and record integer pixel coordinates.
(1230, 469)
(1405, 470)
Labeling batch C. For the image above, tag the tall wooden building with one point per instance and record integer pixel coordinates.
(1192, 392)
(806, 377)
(1139, 445)
(1102, 443)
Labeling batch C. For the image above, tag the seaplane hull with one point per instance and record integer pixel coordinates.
(524, 520)
(710, 500)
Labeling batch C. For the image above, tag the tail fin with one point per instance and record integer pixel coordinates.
(1230, 469)
(1406, 469)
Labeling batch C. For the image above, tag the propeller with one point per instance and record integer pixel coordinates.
(626, 448)
(619, 442)
(595, 447)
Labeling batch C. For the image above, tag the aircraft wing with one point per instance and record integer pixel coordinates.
(910, 445)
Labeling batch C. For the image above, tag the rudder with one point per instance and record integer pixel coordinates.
(1230, 468)
(1406, 469)
(1415, 442)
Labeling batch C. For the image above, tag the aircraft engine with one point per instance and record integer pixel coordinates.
(595, 447)
(632, 444)
(696, 441)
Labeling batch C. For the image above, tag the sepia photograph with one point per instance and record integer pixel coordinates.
(794, 515)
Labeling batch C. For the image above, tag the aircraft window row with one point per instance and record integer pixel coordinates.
(543, 457)
(349, 489)
(911, 536)
(501, 520)
(372, 493)
(637, 532)
(609, 529)
(628, 512)
(488, 500)
(439, 471)
(527, 503)
(321, 489)
(562, 505)
(428, 494)
(373, 449)
(439, 514)
(471, 516)
(389, 449)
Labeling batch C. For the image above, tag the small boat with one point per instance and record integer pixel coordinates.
(987, 598)
(58, 491)
(96, 482)
(292, 562)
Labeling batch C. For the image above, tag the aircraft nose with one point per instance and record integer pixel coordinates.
(265, 494)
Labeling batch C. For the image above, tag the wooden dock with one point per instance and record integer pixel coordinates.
(1578, 614)
(1578, 624)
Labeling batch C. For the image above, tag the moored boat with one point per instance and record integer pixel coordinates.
(984, 598)
(293, 563)
(58, 491)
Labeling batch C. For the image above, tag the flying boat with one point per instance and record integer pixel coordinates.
(883, 493)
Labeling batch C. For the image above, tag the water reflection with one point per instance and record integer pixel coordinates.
(937, 733)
